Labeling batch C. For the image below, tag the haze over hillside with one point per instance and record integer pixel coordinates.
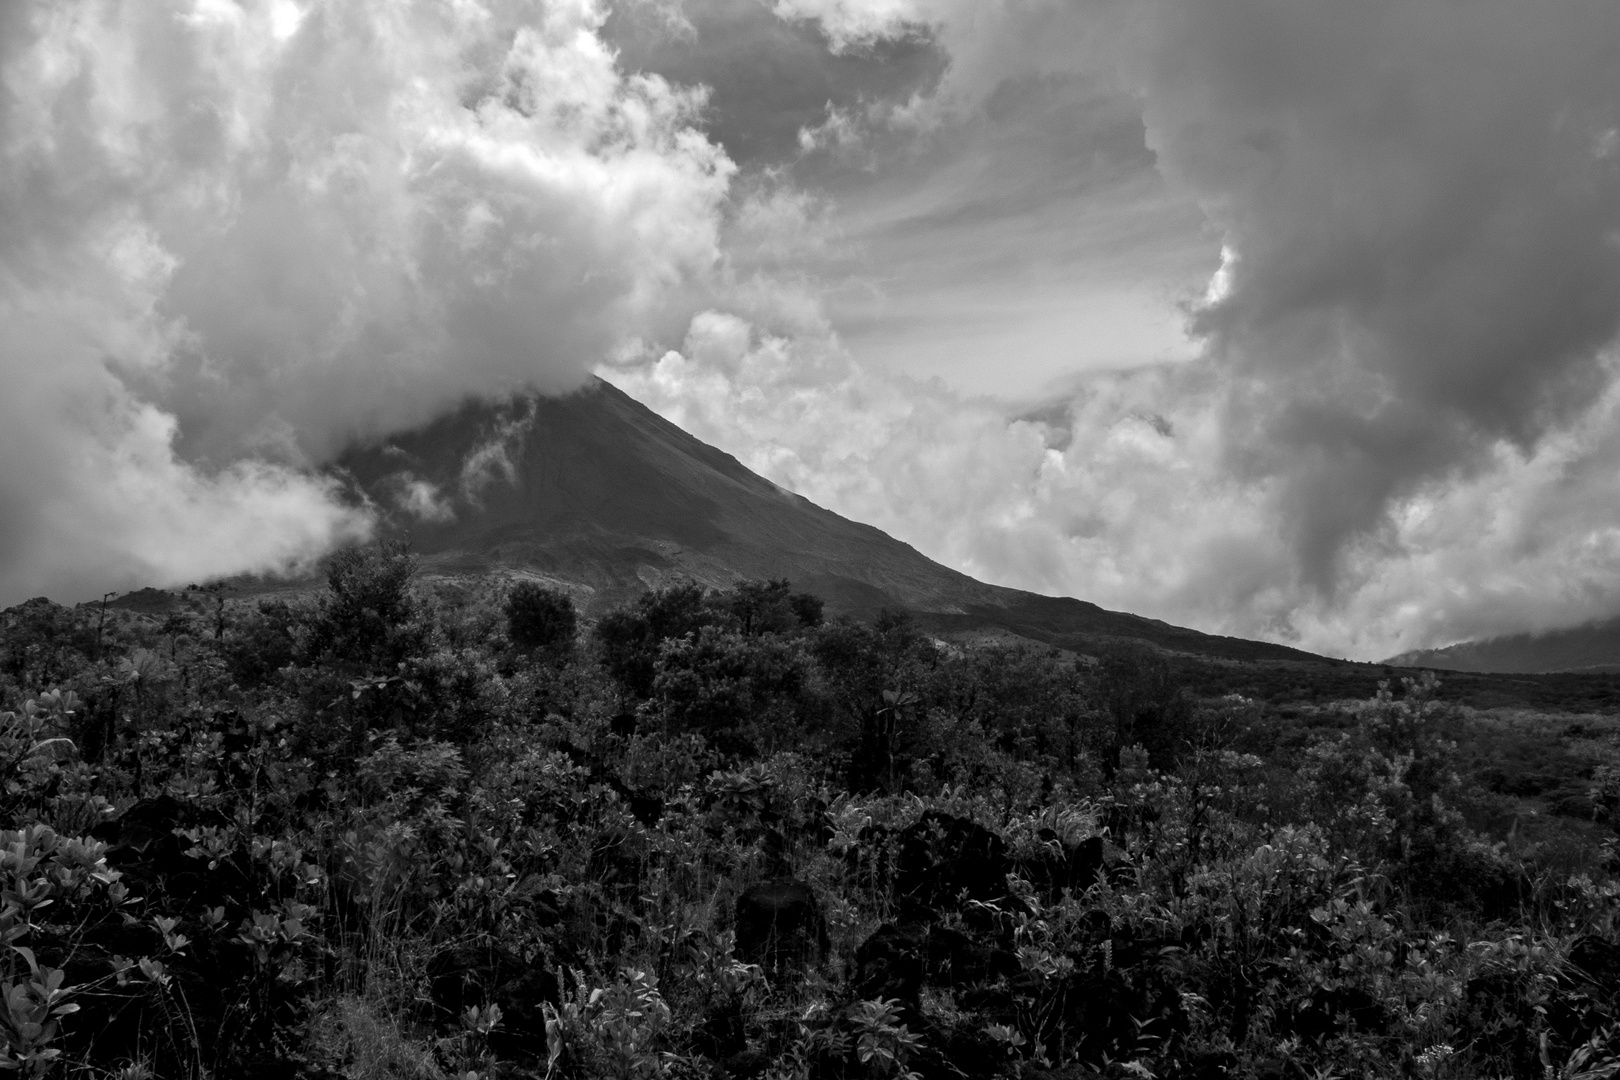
(595, 491)
(1594, 647)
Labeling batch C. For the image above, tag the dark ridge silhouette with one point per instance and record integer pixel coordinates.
(1592, 648)
(596, 492)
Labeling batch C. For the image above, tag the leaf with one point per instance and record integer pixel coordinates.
(28, 956)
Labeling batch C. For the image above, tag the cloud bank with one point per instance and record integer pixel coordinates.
(236, 235)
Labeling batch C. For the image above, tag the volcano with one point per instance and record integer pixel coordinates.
(596, 493)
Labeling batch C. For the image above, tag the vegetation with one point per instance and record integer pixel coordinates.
(386, 833)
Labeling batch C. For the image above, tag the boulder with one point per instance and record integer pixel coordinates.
(956, 958)
(892, 963)
(721, 1035)
(472, 974)
(780, 926)
(944, 859)
(745, 1065)
(1599, 961)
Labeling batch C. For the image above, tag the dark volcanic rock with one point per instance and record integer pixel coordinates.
(956, 958)
(479, 975)
(892, 963)
(721, 1034)
(945, 859)
(745, 1065)
(1598, 960)
(1061, 868)
(780, 926)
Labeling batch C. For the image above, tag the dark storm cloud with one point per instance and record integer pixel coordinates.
(1422, 200)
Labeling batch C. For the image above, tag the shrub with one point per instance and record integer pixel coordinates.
(630, 638)
(369, 619)
(541, 620)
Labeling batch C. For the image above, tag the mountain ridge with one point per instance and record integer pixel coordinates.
(1593, 647)
(596, 492)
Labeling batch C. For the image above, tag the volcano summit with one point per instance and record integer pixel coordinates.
(596, 492)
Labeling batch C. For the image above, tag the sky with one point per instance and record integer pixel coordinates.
(1289, 319)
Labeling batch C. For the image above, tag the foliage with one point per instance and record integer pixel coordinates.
(359, 834)
(541, 619)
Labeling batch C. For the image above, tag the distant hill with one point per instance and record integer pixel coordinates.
(596, 492)
(1592, 648)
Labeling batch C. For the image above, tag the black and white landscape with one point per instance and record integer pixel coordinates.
(813, 539)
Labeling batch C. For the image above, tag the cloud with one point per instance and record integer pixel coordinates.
(236, 236)
(1102, 496)
(491, 460)
(986, 190)
(1400, 427)
(927, 261)
(1423, 202)
(1119, 493)
(849, 24)
(767, 77)
(422, 499)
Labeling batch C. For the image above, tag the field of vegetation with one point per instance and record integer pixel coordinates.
(389, 831)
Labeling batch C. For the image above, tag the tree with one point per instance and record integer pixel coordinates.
(768, 607)
(872, 673)
(541, 620)
(369, 618)
(1137, 688)
(630, 637)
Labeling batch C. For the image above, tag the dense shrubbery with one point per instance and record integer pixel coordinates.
(377, 834)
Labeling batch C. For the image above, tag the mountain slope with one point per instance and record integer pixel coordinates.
(596, 491)
(1595, 647)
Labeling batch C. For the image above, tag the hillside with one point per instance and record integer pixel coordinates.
(1591, 648)
(597, 492)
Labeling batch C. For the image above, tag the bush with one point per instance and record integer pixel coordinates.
(541, 620)
(369, 619)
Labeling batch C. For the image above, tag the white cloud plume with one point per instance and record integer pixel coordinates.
(234, 236)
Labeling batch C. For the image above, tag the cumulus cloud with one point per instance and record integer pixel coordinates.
(1104, 496)
(1119, 493)
(235, 236)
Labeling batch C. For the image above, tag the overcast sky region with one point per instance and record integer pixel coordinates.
(1290, 319)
